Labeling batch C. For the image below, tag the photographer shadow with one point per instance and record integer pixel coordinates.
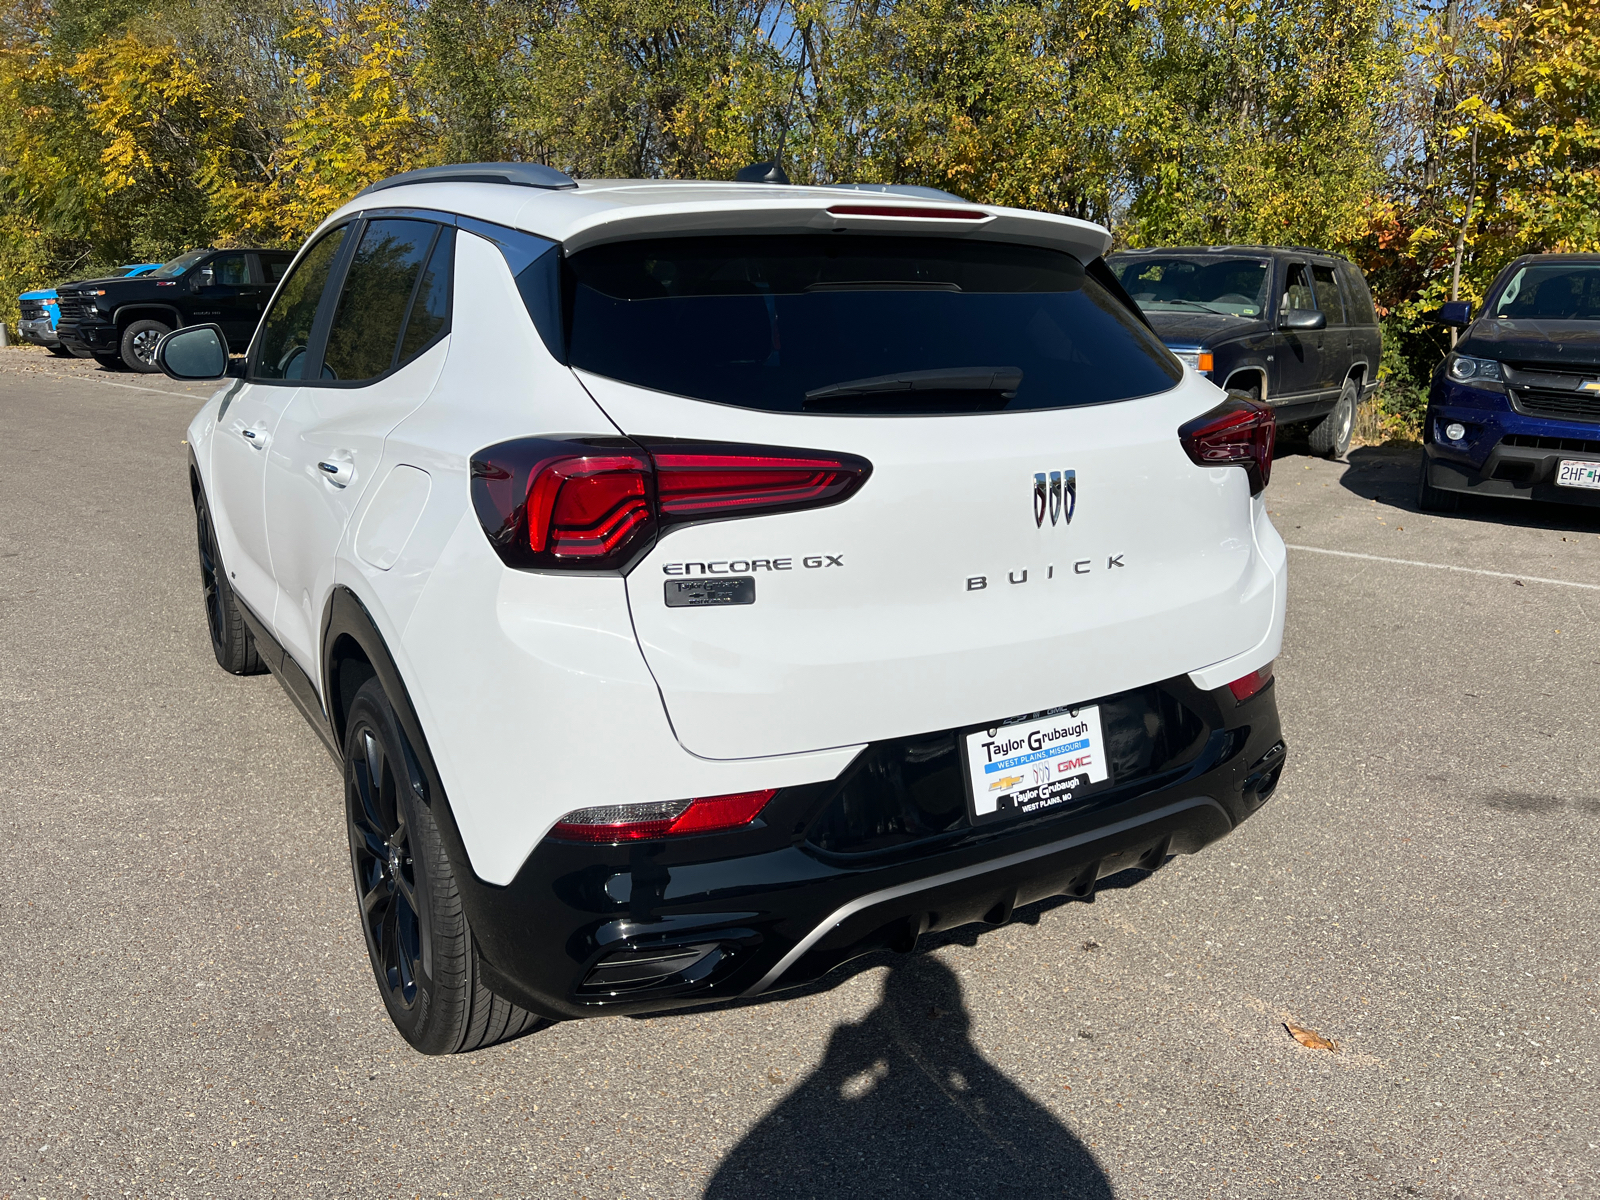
(904, 1105)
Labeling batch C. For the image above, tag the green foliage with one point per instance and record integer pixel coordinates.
(1432, 145)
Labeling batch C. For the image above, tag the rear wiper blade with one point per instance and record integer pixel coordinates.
(1004, 380)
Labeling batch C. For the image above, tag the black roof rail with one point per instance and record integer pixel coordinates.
(1231, 249)
(517, 174)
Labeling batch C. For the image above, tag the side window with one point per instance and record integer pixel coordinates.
(1327, 289)
(274, 267)
(364, 338)
(1297, 288)
(430, 311)
(1357, 299)
(227, 270)
(286, 334)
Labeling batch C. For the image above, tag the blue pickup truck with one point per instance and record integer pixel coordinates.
(41, 310)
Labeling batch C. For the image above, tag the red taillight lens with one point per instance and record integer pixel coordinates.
(666, 818)
(1237, 433)
(1248, 685)
(706, 485)
(588, 507)
(599, 505)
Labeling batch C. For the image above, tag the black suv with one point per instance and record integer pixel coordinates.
(121, 320)
(1291, 326)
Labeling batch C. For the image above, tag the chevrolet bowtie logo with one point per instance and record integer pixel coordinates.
(1589, 385)
(1055, 493)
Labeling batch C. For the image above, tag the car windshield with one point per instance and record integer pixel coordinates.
(857, 324)
(179, 265)
(1235, 287)
(1551, 292)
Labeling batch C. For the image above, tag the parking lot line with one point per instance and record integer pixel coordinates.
(1412, 562)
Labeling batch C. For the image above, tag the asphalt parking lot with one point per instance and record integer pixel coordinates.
(186, 1008)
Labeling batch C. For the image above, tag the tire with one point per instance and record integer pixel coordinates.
(1330, 437)
(139, 345)
(111, 362)
(407, 899)
(59, 351)
(1432, 499)
(230, 637)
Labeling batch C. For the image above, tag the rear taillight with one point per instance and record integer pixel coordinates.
(1237, 433)
(703, 483)
(589, 506)
(665, 818)
(1248, 685)
(600, 504)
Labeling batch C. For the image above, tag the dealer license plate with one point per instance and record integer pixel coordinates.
(1578, 474)
(1031, 765)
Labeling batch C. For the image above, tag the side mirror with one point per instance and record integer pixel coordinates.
(199, 352)
(1304, 319)
(1456, 312)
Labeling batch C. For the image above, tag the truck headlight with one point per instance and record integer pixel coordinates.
(1464, 368)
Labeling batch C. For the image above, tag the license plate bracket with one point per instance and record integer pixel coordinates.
(1033, 763)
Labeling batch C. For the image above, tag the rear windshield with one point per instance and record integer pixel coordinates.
(857, 324)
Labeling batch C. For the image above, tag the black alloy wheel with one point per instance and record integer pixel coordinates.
(230, 639)
(385, 869)
(418, 942)
(139, 342)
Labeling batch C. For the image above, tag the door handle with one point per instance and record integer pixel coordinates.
(256, 437)
(338, 470)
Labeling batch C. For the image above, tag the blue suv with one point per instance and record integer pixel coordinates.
(1514, 409)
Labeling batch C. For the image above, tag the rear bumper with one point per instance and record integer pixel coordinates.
(1503, 452)
(40, 332)
(653, 926)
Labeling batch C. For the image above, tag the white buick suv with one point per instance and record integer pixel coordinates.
(703, 584)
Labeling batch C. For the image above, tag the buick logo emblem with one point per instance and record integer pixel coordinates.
(1055, 494)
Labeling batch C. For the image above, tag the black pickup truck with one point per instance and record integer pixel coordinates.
(1291, 326)
(121, 320)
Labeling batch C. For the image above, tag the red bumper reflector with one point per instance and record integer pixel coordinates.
(669, 818)
(1248, 685)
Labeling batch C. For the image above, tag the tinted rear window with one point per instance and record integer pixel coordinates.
(860, 324)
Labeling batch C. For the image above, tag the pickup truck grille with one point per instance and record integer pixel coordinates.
(1551, 390)
(33, 310)
(73, 308)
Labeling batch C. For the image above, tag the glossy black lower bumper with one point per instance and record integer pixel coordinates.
(653, 926)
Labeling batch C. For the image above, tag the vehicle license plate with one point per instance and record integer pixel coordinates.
(1029, 765)
(1578, 474)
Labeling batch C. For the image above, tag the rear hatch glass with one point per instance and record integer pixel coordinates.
(856, 324)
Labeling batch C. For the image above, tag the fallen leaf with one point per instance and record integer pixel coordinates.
(1310, 1038)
